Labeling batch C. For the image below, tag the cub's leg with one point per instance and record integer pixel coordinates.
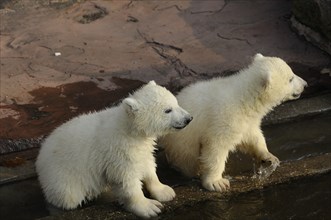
(158, 191)
(66, 193)
(130, 194)
(213, 158)
(254, 143)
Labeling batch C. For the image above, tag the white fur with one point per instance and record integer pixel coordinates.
(227, 116)
(113, 147)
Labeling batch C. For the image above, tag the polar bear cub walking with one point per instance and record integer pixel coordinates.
(113, 147)
(227, 116)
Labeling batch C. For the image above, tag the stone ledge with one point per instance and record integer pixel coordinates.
(192, 193)
(12, 174)
(299, 109)
(312, 36)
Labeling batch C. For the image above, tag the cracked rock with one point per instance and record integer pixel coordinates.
(86, 12)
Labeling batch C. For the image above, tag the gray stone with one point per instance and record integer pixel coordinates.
(312, 36)
(315, 14)
(312, 19)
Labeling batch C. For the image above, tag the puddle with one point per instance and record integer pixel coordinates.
(304, 199)
(53, 106)
(22, 200)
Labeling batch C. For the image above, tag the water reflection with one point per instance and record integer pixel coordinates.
(304, 199)
(288, 141)
(303, 138)
(22, 200)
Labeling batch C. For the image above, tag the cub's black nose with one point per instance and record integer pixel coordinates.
(188, 120)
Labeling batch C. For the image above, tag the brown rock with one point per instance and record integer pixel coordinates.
(86, 12)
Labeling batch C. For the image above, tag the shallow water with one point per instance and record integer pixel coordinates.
(289, 141)
(296, 140)
(304, 199)
(22, 200)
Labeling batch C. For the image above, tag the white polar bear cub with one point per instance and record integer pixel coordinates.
(113, 147)
(227, 115)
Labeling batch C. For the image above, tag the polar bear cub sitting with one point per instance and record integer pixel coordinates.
(227, 116)
(113, 147)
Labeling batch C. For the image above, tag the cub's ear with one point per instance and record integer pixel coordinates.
(152, 83)
(258, 56)
(131, 105)
(266, 80)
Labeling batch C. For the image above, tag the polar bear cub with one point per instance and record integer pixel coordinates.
(227, 116)
(113, 147)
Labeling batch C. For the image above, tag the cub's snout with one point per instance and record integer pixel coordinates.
(187, 120)
(299, 87)
(182, 124)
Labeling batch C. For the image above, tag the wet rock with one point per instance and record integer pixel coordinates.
(326, 71)
(10, 174)
(315, 14)
(191, 194)
(312, 19)
(12, 145)
(13, 162)
(86, 12)
(53, 106)
(312, 36)
(302, 108)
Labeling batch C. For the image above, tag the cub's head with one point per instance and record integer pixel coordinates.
(278, 79)
(155, 111)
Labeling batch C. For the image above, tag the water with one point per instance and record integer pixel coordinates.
(303, 199)
(289, 141)
(22, 200)
(296, 140)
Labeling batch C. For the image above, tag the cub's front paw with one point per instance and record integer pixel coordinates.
(269, 160)
(218, 185)
(266, 166)
(163, 193)
(146, 208)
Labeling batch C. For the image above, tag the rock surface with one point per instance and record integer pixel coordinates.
(191, 194)
(315, 14)
(172, 42)
(312, 20)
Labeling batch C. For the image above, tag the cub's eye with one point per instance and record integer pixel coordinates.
(167, 111)
(291, 79)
